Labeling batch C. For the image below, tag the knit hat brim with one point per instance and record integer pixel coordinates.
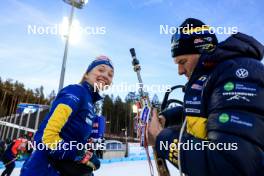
(99, 61)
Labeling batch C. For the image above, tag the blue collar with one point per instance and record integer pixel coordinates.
(95, 95)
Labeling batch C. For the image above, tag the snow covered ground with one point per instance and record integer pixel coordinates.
(135, 165)
(129, 168)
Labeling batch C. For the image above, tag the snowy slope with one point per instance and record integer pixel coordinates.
(135, 165)
(130, 168)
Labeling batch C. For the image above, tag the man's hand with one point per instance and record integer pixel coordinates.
(154, 128)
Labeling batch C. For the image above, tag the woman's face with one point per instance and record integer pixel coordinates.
(100, 76)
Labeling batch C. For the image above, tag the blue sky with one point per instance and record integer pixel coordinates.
(36, 59)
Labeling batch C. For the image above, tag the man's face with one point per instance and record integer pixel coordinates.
(186, 64)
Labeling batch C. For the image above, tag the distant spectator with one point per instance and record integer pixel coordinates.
(12, 153)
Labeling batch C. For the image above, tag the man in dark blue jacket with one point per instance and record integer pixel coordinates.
(223, 131)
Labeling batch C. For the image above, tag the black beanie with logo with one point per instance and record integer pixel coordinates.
(193, 37)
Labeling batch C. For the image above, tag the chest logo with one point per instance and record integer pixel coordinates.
(238, 97)
(242, 73)
(88, 121)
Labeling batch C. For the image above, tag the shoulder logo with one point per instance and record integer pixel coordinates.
(242, 73)
(197, 87)
(203, 78)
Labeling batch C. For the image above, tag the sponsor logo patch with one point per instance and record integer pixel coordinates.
(246, 87)
(229, 86)
(238, 97)
(238, 120)
(90, 115)
(73, 97)
(194, 101)
(239, 93)
(88, 121)
(203, 78)
(198, 40)
(209, 39)
(192, 110)
(197, 87)
(242, 73)
(235, 119)
(223, 118)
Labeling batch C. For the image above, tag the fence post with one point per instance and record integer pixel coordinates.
(7, 135)
(5, 130)
(2, 130)
(28, 117)
(37, 118)
(20, 123)
(13, 129)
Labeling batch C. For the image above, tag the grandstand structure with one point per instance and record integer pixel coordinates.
(27, 119)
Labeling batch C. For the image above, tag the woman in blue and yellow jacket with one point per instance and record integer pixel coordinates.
(68, 126)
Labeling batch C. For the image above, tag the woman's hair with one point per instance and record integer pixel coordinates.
(84, 77)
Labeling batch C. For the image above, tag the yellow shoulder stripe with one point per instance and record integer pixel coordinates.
(196, 126)
(57, 120)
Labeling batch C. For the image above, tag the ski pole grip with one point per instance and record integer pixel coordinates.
(135, 62)
(132, 51)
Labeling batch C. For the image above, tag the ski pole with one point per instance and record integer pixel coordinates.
(144, 119)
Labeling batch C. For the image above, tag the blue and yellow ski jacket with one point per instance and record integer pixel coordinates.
(69, 119)
(224, 112)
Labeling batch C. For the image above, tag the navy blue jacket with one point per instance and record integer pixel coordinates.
(223, 105)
